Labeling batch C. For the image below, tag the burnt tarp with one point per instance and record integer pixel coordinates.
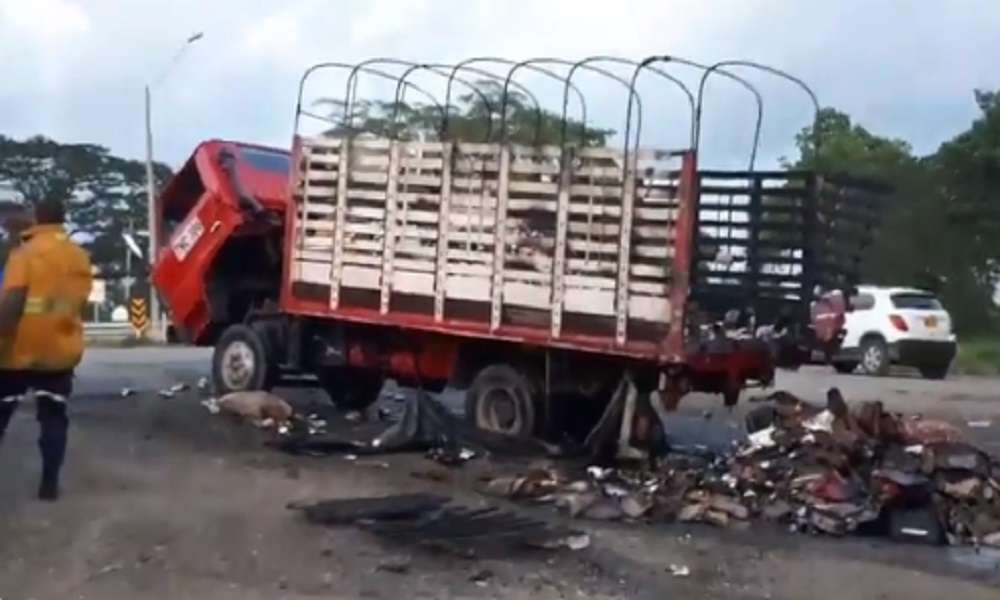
(427, 425)
(424, 425)
(431, 521)
(351, 510)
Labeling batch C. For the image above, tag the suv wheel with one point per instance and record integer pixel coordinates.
(874, 356)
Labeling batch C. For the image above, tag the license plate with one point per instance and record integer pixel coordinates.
(931, 322)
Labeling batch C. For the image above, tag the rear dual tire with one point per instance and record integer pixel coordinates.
(502, 400)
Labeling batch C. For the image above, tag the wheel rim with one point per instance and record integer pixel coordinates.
(238, 365)
(499, 411)
(873, 359)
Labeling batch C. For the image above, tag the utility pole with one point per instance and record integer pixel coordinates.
(153, 225)
(128, 267)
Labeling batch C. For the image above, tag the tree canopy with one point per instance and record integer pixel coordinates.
(474, 118)
(104, 194)
(941, 224)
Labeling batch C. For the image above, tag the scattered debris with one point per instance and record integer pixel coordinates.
(212, 405)
(126, 392)
(395, 564)
(482, 577)
(429, 521)
(679, 570)
(435, 476)
(166, 393)
(178, 387)
(831, 470)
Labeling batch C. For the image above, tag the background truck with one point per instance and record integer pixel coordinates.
(533, 276)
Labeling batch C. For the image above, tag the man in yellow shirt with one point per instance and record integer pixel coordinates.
(45, 288)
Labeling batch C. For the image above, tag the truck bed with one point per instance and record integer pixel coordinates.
(588, 255)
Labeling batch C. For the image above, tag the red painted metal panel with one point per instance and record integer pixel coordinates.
(181, 279)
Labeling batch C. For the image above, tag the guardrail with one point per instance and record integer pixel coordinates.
(107, 332)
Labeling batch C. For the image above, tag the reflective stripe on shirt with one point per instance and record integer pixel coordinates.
(37, 305)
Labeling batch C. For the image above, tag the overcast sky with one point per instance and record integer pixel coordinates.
(74, 69)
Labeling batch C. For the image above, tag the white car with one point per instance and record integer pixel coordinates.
(894, 325)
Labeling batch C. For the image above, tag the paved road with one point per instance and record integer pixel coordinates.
(164, 501)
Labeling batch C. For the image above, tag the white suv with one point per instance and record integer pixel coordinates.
(904, 326)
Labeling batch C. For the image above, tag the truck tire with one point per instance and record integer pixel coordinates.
(501, 399)
(875, 356)
(241, 361)
(845, 367)
(351, 389)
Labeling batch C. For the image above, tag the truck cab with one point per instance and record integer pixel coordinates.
(221, 217)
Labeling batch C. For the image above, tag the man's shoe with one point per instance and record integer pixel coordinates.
(48, 491)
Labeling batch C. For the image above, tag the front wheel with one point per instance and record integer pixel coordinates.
(875, 356)
(240, 362)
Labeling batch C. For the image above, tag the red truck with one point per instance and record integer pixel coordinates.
(531, 276)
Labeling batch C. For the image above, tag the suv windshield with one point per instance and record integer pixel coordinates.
(916, 301)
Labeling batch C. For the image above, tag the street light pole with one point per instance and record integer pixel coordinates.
(151, 222)
(152, 214)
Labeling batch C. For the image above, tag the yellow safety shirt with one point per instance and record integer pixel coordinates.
(56, 274)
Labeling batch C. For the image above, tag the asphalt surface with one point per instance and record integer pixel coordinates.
(163, 500)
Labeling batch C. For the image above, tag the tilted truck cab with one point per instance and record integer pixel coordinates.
(222, 216)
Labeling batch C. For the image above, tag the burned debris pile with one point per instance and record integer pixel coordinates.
(432, 521)
(832, 470)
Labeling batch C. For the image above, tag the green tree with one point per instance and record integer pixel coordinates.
(474, 118)
(103, 193)
(938, 223)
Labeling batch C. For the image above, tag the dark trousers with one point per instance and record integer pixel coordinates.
(50, 390)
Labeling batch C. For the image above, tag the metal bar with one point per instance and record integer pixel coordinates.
(537, 69)
(390, 229)
(684, 236)
(558, 61)
(343, 175)
(696, 124)
(559, 261)
(432, 68)
(624, 255)
(753, 248)
(444, 227)
(500, 240)
(344, 121)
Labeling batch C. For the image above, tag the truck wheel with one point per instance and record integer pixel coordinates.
(351, 389)
(502, 400)
(934, 372)
(845, 367)
(874, 356)
(240, 361)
